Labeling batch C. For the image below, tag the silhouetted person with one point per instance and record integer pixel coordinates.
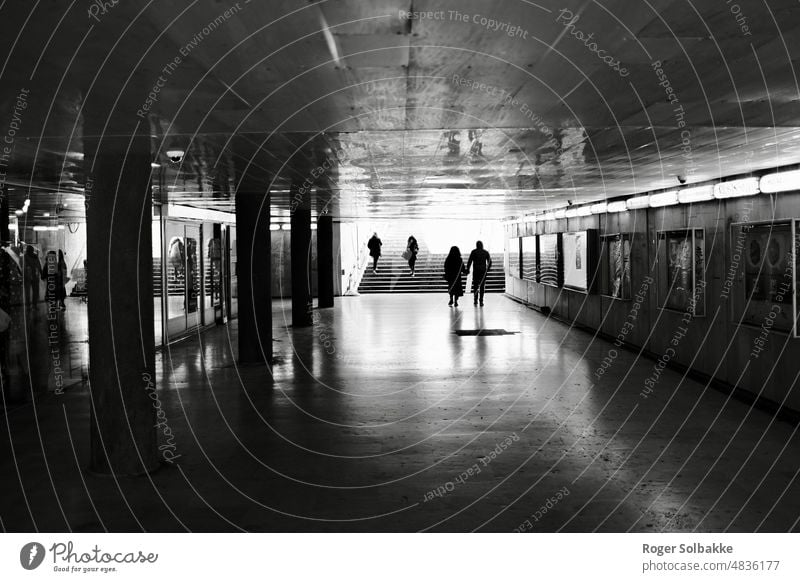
(52, 278)
(454, 272)
(480, 262)
(374, 245)
(61, 292)
(412, 248)
(33, 273)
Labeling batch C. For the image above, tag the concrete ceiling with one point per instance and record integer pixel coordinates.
(474, 109)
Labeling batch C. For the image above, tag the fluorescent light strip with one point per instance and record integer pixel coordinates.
(696, 194)
(638, 202)
(736, 188)
(599, 208)
(780, 182)
(619, 206)
(179, 211)
(584, 211)
(663, 199)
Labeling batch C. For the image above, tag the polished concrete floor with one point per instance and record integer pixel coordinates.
(381, 418)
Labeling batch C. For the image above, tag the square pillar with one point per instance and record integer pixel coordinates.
(254, 250)
(300, 223)
(325, 263)
(124, 437)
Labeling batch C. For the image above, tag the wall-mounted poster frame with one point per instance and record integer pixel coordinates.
(515, 257)
(529, 255)
(796, 269)
(549, 262)
(580, 254)
(761, 280)
(615, 267)
(681, 257)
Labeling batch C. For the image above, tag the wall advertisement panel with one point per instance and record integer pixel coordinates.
(514, 260)
(764, 287)
(529, 258)
(681, 270)
(550, 269)
(616, 266)
(576, 260)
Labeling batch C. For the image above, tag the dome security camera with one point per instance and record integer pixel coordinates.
(175, 156)
(681, 179)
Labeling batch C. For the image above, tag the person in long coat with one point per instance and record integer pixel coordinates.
(412, 248)
(480, 262)
(454, 272)
(33, 272)
(374, 245)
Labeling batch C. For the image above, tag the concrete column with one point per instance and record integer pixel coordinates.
(325, 263)
(300, 222)
(5, 234)
(254, 250)
(124, 422)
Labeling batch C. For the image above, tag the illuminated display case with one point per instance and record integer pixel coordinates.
(514, 262)
(549, 266)
(761, 277)
(580, 260)
(681, 270)
(615, 269)
(529, 258)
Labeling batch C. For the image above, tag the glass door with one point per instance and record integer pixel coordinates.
(193, 292)
(183, 277)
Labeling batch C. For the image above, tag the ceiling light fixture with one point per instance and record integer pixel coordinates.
(780, 182)
(663, 199)
(638, 202)
(696, 194)
(736, 188)
(599, 208)
(326, 32)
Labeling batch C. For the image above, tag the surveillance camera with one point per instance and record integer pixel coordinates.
(681, 179)
(175, 156)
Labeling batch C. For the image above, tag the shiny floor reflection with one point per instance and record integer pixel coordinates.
(381, 418)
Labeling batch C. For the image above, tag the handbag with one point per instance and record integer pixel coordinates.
(406, 254)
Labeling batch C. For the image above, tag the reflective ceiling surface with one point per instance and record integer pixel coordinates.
(466, 108)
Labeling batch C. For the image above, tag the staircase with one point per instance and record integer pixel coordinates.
(393, 275)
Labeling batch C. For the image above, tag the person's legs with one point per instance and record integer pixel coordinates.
(482, 289)
(33, 292)
(451, 299)
(412, 262)
(374, 264)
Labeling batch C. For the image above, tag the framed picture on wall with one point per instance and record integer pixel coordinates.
(795, 269)
(762, 280)
(514, 262)
(580, 259)
(549, 267)
(529, 258)
(681, 270)
(615, 257)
